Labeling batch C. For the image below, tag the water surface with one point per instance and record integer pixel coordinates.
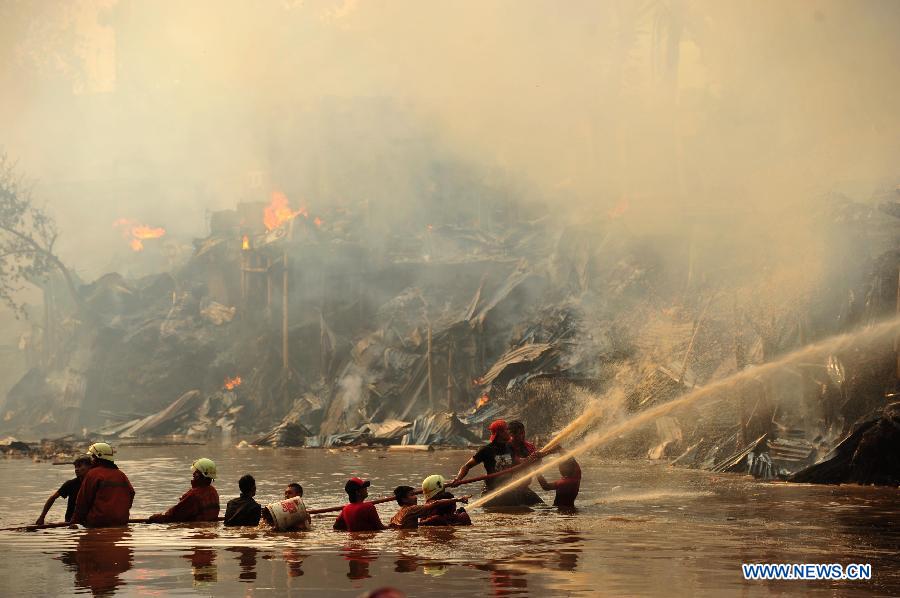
(641, 529)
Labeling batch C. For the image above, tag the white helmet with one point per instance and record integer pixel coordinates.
(101, 450)
(206, 467)
(432, 485)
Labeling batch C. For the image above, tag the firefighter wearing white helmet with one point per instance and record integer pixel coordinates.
(206, 467)
(200, 503)
(106, 495)
(432, 485)
(101, 450)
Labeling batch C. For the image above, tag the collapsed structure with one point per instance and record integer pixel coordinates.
(290, 329)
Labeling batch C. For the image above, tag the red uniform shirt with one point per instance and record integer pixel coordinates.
(200, 503)
(358, 517)
(104, 499)
(566, 490)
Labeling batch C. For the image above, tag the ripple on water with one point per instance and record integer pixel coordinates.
(663, 531)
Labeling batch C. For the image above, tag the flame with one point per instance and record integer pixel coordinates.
(279, 211)
(137, 233)
(232, 383)
(482, 401)
(245, 243)
(318, 222)
(147, 232)
(619, 209)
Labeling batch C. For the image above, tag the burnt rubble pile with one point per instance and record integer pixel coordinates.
(315, 334)
(306, 335)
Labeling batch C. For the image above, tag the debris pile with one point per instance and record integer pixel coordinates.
(289, 328)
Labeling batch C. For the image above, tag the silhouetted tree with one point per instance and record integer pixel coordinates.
(27, 238)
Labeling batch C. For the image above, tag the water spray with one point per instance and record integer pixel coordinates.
(829, 345)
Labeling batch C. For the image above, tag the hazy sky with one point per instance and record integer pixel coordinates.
(160, 111)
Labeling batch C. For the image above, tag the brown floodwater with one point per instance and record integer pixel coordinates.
(641, 528)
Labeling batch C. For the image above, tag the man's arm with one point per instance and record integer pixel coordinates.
(47, 505)
(545, 484)
(185, 510)
(339, 523)
(463, 471)
(444, 502)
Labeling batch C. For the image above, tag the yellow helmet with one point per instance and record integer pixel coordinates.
(206, 467)
(101, 450)
(432, 485)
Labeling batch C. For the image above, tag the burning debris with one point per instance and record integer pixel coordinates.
(426, 338)
(138, 233)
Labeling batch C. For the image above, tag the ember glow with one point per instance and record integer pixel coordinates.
(279, 211)
(482, 401)
(318, 222)
(138, 233)
(619, 210)
(245, 243)
(232, 383)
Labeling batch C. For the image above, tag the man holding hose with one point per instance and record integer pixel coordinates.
(497, 456)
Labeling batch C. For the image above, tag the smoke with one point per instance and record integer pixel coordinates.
(688, 113)
(703, 131)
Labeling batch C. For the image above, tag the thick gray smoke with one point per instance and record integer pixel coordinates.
(707, 130)
(161, 111)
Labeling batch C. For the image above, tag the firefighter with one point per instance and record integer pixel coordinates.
(200, 503)
(106, 495)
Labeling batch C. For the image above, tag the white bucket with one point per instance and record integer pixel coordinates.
(289, 514)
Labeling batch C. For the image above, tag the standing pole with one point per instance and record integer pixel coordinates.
(285, 280)
(269, 289)
(428, 360)
(450, 378)
(46, 335)
(285, 305)
(896, 339)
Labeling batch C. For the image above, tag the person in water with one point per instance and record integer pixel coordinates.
(496, 456)
(69, 491)
(200, 503)
(106, 495)
(288, 515)
(411, 511)
(567, 486)
(293, 490)
(523, 452)
(446, 514)
(358, 515)
(243, 510)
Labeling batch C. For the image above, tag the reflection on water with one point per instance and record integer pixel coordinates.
(639, 529)
(358, 560)
(247, 561)
(99, 560)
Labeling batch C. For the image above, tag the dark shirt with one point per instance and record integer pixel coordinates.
(358, 517)
(69, 491)
(522, 451)
(458, 517)
(242, 510)
(495, 457)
